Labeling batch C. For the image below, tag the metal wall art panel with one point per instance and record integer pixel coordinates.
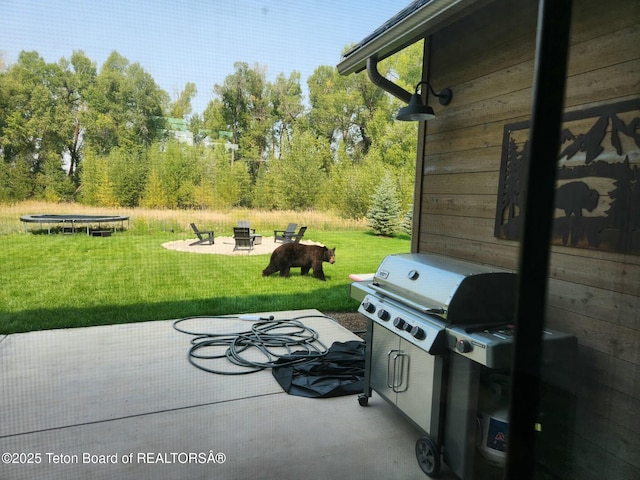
(597, 197)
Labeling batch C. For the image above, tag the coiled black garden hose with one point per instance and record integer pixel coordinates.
(265, 336)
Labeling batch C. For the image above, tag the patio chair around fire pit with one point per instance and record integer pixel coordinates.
(285, 235)
(243, 238)
(296, 237)
(246, 224)
(204, 236)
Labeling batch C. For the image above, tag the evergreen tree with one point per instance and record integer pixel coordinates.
(383, 215)
(407, 221)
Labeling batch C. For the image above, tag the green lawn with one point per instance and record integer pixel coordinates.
(58, 281)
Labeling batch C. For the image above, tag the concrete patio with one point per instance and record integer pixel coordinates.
(127, 395)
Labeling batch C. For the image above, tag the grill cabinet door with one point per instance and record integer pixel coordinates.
(418, 400)
(406, 376)
(385, 345)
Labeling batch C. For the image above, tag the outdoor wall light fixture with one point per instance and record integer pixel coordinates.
(416, 111)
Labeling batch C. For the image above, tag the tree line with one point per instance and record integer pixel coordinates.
(72, 132)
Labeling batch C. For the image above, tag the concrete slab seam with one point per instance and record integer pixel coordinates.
(137, 415)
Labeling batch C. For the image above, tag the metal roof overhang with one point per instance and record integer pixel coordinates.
(406, 27)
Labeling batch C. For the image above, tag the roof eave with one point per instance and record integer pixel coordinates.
(408, 26)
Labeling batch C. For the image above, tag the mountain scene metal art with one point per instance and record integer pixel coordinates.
(597, 196)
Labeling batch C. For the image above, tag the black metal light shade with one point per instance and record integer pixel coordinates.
(417, 111)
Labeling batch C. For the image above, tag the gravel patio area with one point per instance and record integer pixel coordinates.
(225, 246)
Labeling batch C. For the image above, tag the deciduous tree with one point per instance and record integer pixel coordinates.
(181, 106)
(285, 100)
(245, 111)
(126, 106)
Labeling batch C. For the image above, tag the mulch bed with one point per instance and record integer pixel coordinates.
(354, 321)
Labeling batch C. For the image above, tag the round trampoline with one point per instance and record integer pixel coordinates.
(69, 222)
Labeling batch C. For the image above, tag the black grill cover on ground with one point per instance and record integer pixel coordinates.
(339, 372)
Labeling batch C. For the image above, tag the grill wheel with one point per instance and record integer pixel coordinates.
(428, 456)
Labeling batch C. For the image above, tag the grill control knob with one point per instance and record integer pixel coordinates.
(369, 307)
(418, 333)
(399, 323)
(383, 315)
(464, 346)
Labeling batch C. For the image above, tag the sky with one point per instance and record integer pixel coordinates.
(194, 41)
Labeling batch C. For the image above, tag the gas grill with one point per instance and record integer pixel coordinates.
(435, 325)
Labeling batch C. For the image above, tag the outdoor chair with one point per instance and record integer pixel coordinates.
(246, 224)
(204, 236)
(243, 238)
(285, 235)
(297, 236)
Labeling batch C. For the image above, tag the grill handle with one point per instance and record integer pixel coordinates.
(391, 379)
(397, 385)
(395, 371)
(406, 301)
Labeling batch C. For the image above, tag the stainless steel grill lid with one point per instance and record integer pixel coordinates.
(460, 292)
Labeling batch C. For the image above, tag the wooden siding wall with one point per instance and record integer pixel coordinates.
(487, 60)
